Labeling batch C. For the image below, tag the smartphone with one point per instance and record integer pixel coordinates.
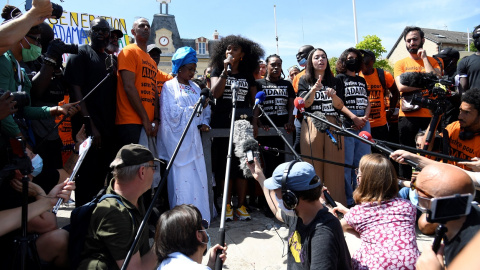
(450, 207)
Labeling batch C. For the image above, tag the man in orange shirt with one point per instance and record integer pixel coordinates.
(413, 120)
(302, 56)
(137, 98)
(379, 88)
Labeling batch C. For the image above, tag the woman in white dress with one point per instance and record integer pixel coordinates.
(187, 181)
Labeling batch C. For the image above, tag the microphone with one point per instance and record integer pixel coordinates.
(418, 79)
(366, 136)
(234, 87)
(331, 137)
(320, 125)
(299, 104)
(259, 98)
(250, 146)
(229, 66)
(203, 95)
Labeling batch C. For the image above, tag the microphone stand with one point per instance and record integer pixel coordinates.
(377, 146)
(280, 134)
(271, 149)
(159, 188)
(421, 151)
(221, 230)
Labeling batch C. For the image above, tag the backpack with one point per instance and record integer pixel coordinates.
(381, 77)
(79, 224)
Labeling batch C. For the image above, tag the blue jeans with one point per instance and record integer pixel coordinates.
(354, 151)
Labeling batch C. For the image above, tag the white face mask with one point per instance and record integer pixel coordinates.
(37, 164)
(282, 207)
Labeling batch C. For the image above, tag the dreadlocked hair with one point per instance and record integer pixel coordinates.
(268, 60)
(253, 52)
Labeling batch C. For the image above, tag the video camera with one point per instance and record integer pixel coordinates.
(440, 89)
(56, 12)
(22, 98)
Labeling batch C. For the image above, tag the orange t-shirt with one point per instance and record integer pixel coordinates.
(378, 115)
(409, 65)
(296, 79)
(134, 59)
(466, 149)
(162, 77)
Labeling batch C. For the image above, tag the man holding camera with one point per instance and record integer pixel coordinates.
(413, 118)
(85, 71)
(441, 180)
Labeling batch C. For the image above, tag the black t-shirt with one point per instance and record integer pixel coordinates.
(318, 245)
(356, 92)
(277, 97)
(471, 67)
(223, 105)
(321, 102)
(466, 233)
(86, 69)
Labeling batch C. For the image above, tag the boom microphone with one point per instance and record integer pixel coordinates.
(321, 126)
(203, 95)
(259, 98)
(299, 104)
(418, 79)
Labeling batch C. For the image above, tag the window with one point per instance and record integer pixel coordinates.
(201, 48)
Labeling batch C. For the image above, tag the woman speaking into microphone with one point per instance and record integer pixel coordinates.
(322, 92)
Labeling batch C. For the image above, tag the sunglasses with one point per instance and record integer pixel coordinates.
(154, 167)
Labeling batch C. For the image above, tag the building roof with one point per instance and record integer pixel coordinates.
(439, 37)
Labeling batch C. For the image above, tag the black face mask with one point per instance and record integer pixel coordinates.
(352, 65)
(476, 43)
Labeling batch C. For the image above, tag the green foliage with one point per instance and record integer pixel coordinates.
(472, 47)
(332, 61)
(374, 44)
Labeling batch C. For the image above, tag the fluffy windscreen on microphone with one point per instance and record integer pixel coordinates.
(366, 136)
(319, 125)
(243, 132)
(250, 144)
(299, 104)
(418, 79)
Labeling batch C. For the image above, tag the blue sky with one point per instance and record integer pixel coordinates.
(322, 23)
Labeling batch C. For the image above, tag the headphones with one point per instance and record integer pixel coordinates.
(290, 200)
(467, 135)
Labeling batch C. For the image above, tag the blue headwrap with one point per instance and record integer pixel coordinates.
(183, 56)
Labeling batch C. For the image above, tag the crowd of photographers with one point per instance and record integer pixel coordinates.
(361, 98)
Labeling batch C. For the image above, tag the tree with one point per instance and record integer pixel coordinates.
(374, 44)
(472, 47)
(332, 61)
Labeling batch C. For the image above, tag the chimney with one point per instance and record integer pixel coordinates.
(215, 35)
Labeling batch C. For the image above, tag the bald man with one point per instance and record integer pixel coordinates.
(440, 180)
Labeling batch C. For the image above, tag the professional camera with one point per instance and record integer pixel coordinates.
(440, 89)
(57, 11)
(22, 98)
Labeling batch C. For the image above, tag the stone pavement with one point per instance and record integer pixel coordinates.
(260, 243)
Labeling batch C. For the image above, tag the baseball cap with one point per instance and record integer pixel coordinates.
(299, 177)
(448, 52)
(153, 47)
(117, 32)
(369, 53)
(133, 154)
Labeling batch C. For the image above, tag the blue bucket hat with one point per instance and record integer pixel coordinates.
(299, 177)
(183, 56)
